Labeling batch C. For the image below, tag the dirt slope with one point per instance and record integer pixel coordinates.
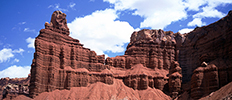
(101, 91)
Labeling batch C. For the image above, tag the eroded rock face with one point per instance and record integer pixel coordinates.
(204, 80)
(58, 23)
(207, 53)
(212, 43)
(12, 87)
(154, 49)
(175, 79)
(153, 59)
(61, 62)
(140, 78)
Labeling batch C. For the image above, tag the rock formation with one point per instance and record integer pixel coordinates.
(58, 23)
(175, 79)
(154, 59)
(204, 80)
(210, 43)
(61, 62)
(12, 87)
(212, 47)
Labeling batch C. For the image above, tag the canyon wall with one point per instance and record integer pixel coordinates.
(206, 55)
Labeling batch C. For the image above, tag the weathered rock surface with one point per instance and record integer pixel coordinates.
(61, 62)
(204, 80)
(154, 59)
(210, 44)
(208, 56)
(12, 87)
(175, 79)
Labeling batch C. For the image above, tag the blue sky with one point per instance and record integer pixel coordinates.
(104, 26)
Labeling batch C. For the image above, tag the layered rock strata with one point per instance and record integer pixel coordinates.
(12, 87)
(175, 79)
(210, 44)
(205, 79)
(208, 53)
(153, 59)
(61, 62)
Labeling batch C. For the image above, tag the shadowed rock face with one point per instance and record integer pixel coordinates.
(204, 80)
(12, 87)
(175, 79)
(212, 43)
(153, 59)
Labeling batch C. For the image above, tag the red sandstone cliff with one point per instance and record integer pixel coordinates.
(206, 54)
(210, 44)
(61, 62)
(154, 63)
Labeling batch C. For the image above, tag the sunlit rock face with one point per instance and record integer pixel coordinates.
(155, 49)
(61, 62)
(154, 59)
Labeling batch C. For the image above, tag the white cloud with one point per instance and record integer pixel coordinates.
(57, 7)
(196, 22)
(28, 30)
(22, 23)
(101, 32)
(6, 54)
(71, 5)
(16, 60)
(31, 42)
(18, 51)
(194, 5)
(15, 71)
(185, 30)
(208, 10)
(157, 14)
